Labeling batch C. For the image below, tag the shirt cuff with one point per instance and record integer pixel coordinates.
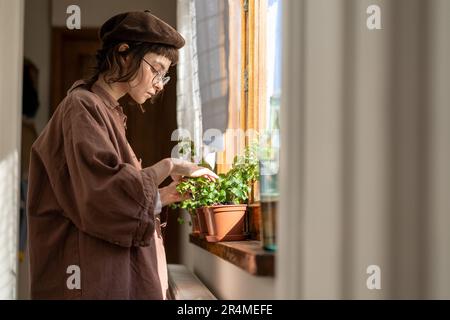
(158, 206)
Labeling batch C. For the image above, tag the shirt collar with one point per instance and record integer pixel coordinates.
(105, 96)
(99, 91)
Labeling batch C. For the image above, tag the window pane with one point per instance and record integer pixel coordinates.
(273, 62)
(269, 139)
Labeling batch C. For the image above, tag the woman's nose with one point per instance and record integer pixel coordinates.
(159, 86)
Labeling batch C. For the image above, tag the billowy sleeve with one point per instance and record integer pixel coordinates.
(112, 200)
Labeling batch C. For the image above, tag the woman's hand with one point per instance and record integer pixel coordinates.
(170, 194)
(178, 168)
(188, 169)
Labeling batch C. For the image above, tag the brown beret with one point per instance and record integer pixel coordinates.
(140, 26)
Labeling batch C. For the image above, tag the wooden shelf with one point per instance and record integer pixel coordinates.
(247, 255)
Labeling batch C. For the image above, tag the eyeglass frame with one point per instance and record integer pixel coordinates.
(162, 78)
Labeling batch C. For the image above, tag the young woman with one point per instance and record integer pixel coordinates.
(94, 228)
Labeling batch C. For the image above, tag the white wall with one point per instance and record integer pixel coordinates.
(11, 33)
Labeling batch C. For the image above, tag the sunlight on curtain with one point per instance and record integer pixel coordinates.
(213, 51)
(189, 108)
(204, 76)
(220, 67)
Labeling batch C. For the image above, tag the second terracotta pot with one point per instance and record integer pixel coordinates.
(195, 223)
(203, 230)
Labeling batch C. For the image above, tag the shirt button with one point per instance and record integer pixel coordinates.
(142, 243)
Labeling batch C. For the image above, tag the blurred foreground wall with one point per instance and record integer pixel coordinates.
(11, 55)
(365, 150)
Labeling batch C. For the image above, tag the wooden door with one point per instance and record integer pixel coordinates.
(73, 57)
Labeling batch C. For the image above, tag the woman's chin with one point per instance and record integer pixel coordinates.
(140, 100)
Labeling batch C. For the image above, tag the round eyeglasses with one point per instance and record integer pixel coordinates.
(158, 77)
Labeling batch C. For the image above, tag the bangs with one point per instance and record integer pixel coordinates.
(169, 52)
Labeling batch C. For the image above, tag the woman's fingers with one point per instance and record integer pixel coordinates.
(186, 168)
(170, 194)
(176, 177)
(177, 197)
(204, 172)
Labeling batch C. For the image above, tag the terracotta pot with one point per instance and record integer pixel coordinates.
(226, 223)
(195, 224)
(209, 219)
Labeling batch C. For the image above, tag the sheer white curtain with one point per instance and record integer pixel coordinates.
(213, 52)
(11, 33)
(189, 108)
(203, 73)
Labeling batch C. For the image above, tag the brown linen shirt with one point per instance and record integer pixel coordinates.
(92, 231)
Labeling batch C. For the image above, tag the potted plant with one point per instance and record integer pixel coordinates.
(197, 188)
(192, 186)
(224, 201)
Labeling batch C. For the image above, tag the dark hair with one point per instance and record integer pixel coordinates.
(108, 59)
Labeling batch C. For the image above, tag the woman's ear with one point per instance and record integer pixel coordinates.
(123, 48)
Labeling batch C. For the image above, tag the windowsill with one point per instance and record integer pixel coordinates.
(247, 255)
